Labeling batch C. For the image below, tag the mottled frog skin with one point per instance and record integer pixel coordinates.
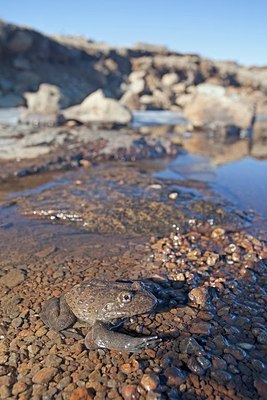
(101, 304)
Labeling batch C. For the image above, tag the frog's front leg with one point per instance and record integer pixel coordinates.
(56, 314)
(102, 337)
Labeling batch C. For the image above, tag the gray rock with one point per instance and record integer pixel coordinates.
(170, 79)
(45, 100)
(12, 278)
(98, 108)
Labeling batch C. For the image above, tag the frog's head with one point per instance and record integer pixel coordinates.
(125, 299)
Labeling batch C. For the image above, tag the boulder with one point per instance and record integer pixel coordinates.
(170, 79)
(45, 100)
(130, 100)
(43, 107)
(211, 90)
(98, 108)
(204, 108)
(136, 75)
(138, 86)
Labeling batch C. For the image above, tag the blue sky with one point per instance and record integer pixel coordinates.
(219, 29)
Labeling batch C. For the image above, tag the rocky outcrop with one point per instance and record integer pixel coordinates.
(211, 103)
(143, 77)
(98, 108)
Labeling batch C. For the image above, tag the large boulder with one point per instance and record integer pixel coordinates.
(211, 104)
(46, 99)
(98, 108)
(43, 106)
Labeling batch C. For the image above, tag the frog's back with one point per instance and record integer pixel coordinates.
(83, 300)
(105, 301)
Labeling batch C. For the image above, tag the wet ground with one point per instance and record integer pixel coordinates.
(203, 257)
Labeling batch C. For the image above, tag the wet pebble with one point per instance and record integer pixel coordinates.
(175, 376)
(221, 376)
(199, 295)
(150, 381)
(190, 346)
(201, 328)
(130, 392)
(261, 386)
(195, 367)
(19, 387)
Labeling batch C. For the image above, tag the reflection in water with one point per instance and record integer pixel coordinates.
(236, 168)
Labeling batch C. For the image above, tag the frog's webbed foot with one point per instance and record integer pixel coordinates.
(101, 336)
(56, 314)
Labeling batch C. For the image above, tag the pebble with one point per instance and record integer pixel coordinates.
(12, 278)
(190, 346)
(129, 392)
(45, 252)
(52, 360)
(201, 328)
(221, 376)
(150, 381)
(261, 386)
(81, 394)
(41, 331)
(173, 195)
(19, 387)
(199, 295)
(217, 233)
(4, 392)
(44, 375)
(195, 367)
(175, 376)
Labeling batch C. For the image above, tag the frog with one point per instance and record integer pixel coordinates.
(103, 306)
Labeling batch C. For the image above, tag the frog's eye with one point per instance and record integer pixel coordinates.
(125, 297)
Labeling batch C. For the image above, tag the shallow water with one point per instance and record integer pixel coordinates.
(243, 182)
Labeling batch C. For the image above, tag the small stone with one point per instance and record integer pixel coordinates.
(204, 362)
(126, 368)
(173, 196)
(217, 232)
(261, 386)
(17, 322)
(129, 392)
(199, 295)
(221, 376)
(218, 363)
(201, 328)
(41, 331)
(238, 353)
(44, 375)
(81, 394)
(19, 387)
(85, 163)
(190, 346)
(260, 334)
(52, 360)
(12, 278)
(4, 392)
(175, 376)
(150, 381)
(153, 396)
(46, 251)
(195, 367)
